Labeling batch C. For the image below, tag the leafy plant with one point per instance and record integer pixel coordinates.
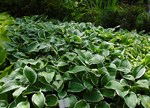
(101, 4)
(87, 65)
(5, 20)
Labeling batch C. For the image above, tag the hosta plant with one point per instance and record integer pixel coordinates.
(89, 66)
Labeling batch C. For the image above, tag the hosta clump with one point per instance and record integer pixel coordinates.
(87, 65)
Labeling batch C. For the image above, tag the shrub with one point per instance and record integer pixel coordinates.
(18, 8)
(5, 20)
(143, 21)
(107, 13)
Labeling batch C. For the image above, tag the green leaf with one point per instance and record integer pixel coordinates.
(45, 87)
(94, 78)
(44, 46)
(138, 71)
(29, 61)
(38, 100)
(124, 70)
(19, 55)
(80, 53)
(19, 99)
(6, 71)
(51, 100)
(72, 100)
(25, 104)
(143, 83)
(106, 78)
(77, 39)
(48, 76)
(33, 46)
(107, 93)
(81, 104)
(129, 77)
(146, 60)
(57, 85)
(60, 64)
(92, 46)
(88, 55)
(75, 87)
(131, 100)
(87, 81)
(18, 92)
(117, 62)
(3, 104)
(93, 96)
(70, 55)
(77, 69)
(126, 64)
(145, 101)
(31, 89)
(124, 83)
(112, 71)
(30, 74)
(8, 86)
(105, 52)
(12, 105)
(67, 76)
(83, 57)
(62, 94)
(41, 33)
(4, 96)
(147, 74)
(96, 59)
(120, 90)
(3, 55)
(58, 82)
(102, 104)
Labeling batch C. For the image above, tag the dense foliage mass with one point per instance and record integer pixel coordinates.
(129, 14)
(91, 66)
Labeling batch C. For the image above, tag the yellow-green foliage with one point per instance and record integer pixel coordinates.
(5, 19)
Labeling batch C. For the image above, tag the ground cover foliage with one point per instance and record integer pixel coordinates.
(91, 66)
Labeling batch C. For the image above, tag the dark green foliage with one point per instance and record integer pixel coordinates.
(143, 21)
(52, 8)
(129, 14)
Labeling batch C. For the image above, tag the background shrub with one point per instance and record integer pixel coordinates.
(107, 13)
